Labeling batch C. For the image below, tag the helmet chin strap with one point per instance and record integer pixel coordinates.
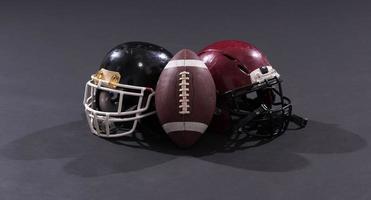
(299, 121)
(261, 109)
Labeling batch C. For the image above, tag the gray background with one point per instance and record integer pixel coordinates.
(49, 49)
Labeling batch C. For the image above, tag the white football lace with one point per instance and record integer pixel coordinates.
(183, 93)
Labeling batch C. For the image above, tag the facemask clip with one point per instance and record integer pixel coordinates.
(107, 78)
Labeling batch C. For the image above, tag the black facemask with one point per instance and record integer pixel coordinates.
(261, 110)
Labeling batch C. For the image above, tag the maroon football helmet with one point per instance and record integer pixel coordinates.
(249, 92)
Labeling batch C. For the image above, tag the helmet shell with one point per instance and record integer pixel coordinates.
(231, 62)
(139, 63)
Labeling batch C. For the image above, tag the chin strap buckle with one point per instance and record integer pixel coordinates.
(262, 109)
(300, 121)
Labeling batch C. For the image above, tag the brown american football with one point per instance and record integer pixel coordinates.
(185, 98)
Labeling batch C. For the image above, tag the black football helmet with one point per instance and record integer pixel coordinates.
(122, 91)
